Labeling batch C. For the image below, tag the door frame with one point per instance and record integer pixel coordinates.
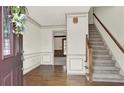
(10, 65)
(53, 43)
(1, 34)
(63, 46)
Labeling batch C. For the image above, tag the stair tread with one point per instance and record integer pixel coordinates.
(95, 39)
(103, 61)
(99, 49)
(98, 46)
(105, 68)
(110, 75)
(102, 64)
(108, 80)
(105, 72)
(101, 55)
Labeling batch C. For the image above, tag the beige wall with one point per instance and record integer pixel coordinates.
(113, 19)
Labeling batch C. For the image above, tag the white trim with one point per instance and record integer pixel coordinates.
(77, 13)
(75, 73)
(48, 62)
(33, 60)
(30, 19)
(53, 26)
(26, 70)
(76, 54)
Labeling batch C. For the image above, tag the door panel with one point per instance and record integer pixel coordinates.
(8, 78)
(11, 73)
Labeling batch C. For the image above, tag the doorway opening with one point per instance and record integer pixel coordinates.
(59, 40)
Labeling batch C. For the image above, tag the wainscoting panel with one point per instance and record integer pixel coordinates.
(31, 61)
(75, 65)
(47, 58)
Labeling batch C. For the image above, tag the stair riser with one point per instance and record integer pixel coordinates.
(96, 42)
(93, 36)
(92, 28)
(103, 64)
(102, 56)
(103, 61)
(100, 53)
(107, 80)
(102, 49)
(99, 46)
(96, 39)
(93, 33)
(110, 70)
(109, 77)
(106, 72)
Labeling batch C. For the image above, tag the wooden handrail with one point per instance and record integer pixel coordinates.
(89, 58)
(113, 38)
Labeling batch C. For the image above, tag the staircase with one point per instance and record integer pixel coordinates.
(104, 69)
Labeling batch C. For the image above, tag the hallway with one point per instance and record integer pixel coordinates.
(56, 76)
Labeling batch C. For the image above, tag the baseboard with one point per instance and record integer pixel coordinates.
(26, 70)
(47, 64)
(121, 71)
(75, 73)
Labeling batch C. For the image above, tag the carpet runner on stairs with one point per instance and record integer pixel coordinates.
(104, 69)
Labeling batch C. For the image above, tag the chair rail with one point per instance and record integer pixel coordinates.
(112, 37)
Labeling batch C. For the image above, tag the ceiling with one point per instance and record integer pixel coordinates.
(53, 15)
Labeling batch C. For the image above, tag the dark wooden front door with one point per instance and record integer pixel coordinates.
(11, 73)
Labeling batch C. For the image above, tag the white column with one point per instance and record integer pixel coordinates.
(76, 31)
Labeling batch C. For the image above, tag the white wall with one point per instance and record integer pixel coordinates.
(38, 40)
(54, 15)
(31, 46)
(58, 43)
(113, 19)
(76, 34)
(90, 16)
(47, 42)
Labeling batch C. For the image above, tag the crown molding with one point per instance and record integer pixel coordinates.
(30, 19)
(79, 14)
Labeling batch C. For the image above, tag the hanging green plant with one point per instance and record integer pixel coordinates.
(18, 18)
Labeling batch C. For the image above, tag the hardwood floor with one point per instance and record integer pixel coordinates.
(56, 76)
